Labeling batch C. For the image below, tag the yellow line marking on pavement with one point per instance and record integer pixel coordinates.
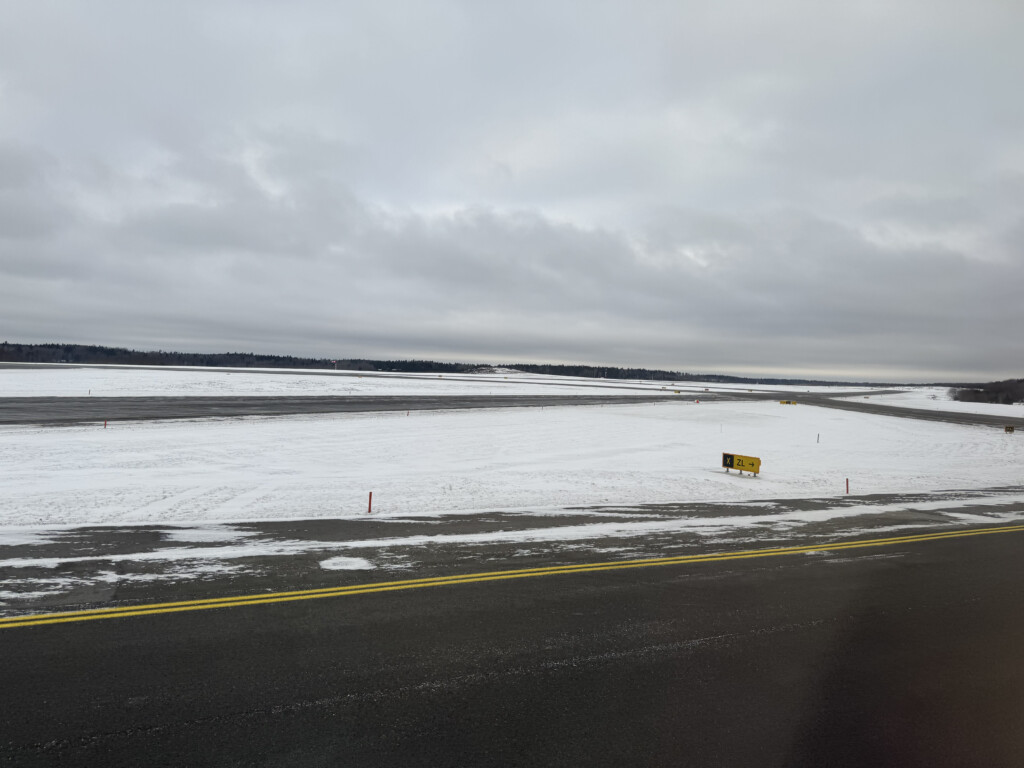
(33, 620)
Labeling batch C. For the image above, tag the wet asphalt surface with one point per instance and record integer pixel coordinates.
(908, 654)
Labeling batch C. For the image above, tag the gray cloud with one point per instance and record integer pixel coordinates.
(718, 188)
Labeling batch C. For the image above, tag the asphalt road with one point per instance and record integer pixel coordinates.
(903, 655)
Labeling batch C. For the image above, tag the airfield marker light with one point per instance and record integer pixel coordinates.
(369, 508)
(847, 485)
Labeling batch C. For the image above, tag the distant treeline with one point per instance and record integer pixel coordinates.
(84, 354)
(79, 353)
(1006, 392)
(596, 372)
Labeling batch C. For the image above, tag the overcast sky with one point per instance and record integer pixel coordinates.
(832, 189)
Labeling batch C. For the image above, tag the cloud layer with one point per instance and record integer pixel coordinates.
(797, 190)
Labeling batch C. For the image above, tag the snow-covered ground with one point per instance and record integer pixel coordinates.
(123, 381)
(938, 399)
(444, 462)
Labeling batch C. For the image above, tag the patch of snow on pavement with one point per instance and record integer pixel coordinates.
(700, 526)
(204, 534)
(14, 537)
(53, 586)
(346, 564)
(6, 595)
(263, 549)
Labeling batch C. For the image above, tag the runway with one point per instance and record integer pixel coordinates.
(77, 410)
(72, 410)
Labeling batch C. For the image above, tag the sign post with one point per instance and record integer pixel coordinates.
(751, 464)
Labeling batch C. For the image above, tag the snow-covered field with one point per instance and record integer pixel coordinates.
(122, 381)
(444, 462)
(938, 399)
